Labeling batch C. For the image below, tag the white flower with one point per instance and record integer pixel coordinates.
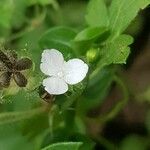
(60, 72)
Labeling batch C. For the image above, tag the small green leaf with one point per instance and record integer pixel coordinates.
(97, 14)
(64, 146)
(116, 52)
(134, 142)
(122, 12)
(59, 38)
(91, 33)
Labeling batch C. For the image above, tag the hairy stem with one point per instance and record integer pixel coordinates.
(10, 117)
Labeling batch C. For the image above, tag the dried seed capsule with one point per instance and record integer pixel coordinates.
(12, 56)
(23, 64)
(20, 79)
(2, 67)
(5, 79)
(5, 60)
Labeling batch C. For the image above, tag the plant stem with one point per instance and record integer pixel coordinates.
(19, 34)
(118, 107)
(9, 117)
(95, 72)
(107, 144)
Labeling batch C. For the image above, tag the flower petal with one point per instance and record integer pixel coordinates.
(55, 86)
(52, 62)
(75, 71)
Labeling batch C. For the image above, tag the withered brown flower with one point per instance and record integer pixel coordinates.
(45, 95)
(11, 67)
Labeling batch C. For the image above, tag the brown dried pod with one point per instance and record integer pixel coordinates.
(12, 56)
(23, 64)
(5, 79)
(2, 67)
(20, 79)
(11, 66)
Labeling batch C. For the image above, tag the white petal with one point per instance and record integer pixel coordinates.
(75, 71)
(52, 62)
(55, 86)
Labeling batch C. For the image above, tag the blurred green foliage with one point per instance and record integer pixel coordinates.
(93, 31)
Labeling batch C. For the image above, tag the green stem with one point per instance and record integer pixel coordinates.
(51, 119)
(9, 117)
(96, 71)
(118, 107)
(55, 5)
(19, 34)
(30, 27)
(107, 144)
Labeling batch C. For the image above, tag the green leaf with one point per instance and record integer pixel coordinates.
(6, 10)
(12, 139)
(29, 41)
(18, 17)
(97, 89)
(10, 117)
(64, 146)
(88, 37)
(73, 14)
(41, 2)
(97, 14)
(122, 12)
(35, 125)
(46, 2)
(145, 95)
(72, 95)
(116, 52)
(91, 33)
(134, 142)
(59, 38)
(59, 34)
(88, 143)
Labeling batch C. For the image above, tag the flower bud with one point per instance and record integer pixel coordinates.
(92, 54)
